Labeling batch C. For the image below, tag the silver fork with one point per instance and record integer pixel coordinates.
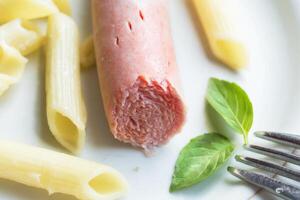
(279, 188)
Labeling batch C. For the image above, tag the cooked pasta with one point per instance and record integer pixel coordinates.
(12, 65)
(22, 35)
(59, 173)
(64, 6)
(87, 53)
(217, 21)
(65, 107)
(25, 9)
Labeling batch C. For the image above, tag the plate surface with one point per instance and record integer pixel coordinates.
(269, 30)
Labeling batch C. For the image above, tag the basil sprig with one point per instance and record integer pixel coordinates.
(232, 103)
(199, 159)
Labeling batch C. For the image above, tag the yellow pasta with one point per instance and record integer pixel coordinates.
(64, 6)
(12, 65)
(65, 107)
(59, 173)
(5, 82)
(22, 35)
(87, 53)
(25, 9)
(219, 28)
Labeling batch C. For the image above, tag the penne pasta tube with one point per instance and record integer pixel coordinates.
(217, 21)
(12, 65)
(87, 53)
(65, 107)
(5, 82)
(25, 9)
(59, 173)
(22, 35)
(64, 6)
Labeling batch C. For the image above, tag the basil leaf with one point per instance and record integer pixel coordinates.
(199, 159)
(232, 103)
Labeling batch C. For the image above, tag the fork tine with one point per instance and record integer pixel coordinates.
(282, 138)
(274, 153)
(274, 186)
(270, 167)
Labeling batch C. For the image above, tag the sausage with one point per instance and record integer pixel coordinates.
(137, 71)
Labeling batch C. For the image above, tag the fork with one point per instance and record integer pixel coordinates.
(278, 188)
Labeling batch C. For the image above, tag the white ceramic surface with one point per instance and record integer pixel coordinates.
(271, 32)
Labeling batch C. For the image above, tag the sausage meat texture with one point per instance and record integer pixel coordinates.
(137, 71)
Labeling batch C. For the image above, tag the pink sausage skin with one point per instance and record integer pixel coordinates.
(137, 71)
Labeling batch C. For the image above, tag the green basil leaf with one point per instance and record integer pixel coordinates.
(232, 103)
(199, 159)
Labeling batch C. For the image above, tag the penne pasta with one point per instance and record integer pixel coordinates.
(65, 107)
(12, 65)
(217, 21)
(59, 173)
(5, 82)
(25, 9)
(64, 6)
(22, 35)
(87, 53)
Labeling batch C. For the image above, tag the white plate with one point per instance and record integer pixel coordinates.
(271, 34)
